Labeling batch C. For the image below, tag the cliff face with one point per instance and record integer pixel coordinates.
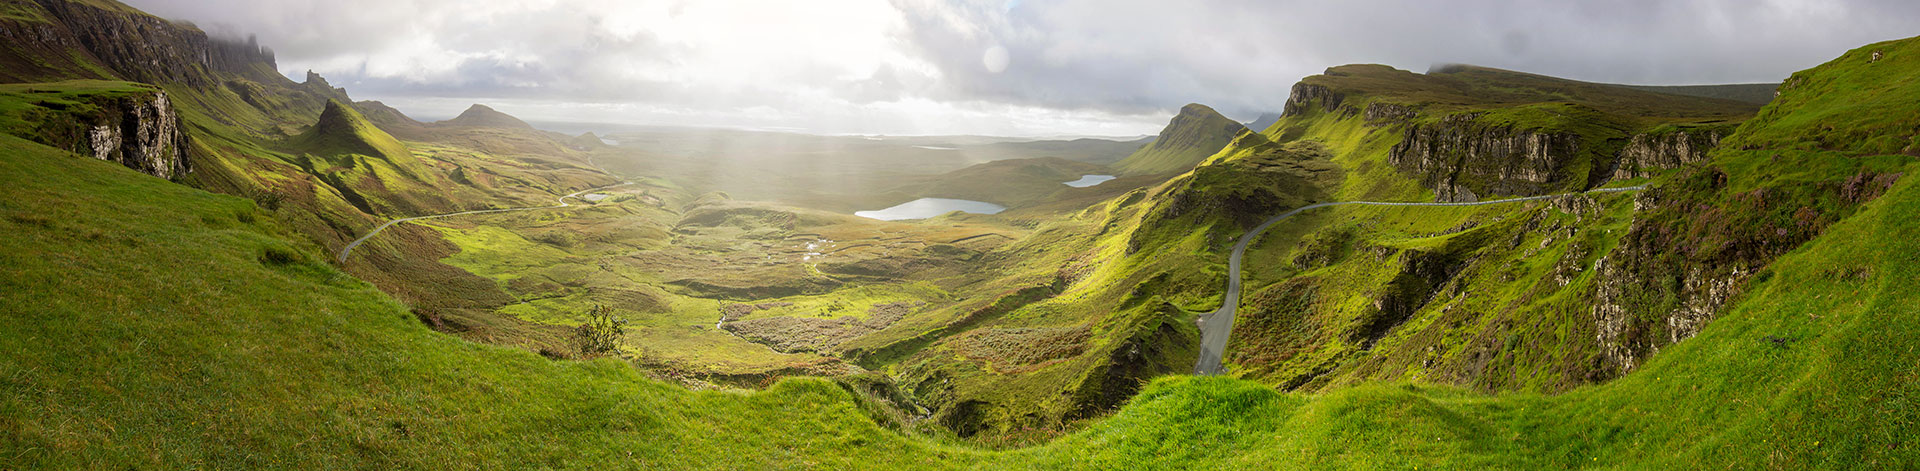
(1693, 246)
(140, 132)
(1648, 152)
(138, 47)
(135, 125)
(1462, 160)
(1305, 95)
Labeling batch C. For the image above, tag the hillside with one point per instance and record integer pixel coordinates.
(176, 297)
(1807, 369)
(1189, 137)
(1011, 183)
(1756, 93)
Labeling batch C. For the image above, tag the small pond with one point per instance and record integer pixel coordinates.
(929, 207)
(1089, 180)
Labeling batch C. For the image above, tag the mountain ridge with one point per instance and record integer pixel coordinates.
(1196, 132)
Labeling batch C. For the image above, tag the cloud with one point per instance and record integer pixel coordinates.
(1078, 65)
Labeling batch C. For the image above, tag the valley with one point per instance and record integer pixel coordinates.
(210, 265)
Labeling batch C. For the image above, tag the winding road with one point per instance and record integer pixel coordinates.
(1217, 325)
(344, 253)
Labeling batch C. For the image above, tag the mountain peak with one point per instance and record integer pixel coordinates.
(343, 130)
(1189, 138)
(480, 115)
(385, 116)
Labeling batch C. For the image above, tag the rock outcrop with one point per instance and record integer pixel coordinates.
(1462, 160)
(1648, 152)
(137, 127)
(141, 131)
(1306, 94)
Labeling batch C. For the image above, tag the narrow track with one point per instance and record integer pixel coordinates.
(348, 251)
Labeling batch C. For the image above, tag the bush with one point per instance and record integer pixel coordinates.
(601, 333)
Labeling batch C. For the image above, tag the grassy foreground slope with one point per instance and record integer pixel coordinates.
(151, 325)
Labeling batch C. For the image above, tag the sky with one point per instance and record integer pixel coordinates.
(994, 67)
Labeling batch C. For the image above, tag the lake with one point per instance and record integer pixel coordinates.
(929, 207)
(1089, 180)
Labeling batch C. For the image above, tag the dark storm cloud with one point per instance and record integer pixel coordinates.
(1126, 60)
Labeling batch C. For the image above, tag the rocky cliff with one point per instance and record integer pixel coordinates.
(1461, 159)
(135, 125)
(134, 46)
(1651, 151)
(141, 132)
(1304, 95)
(1693, 246)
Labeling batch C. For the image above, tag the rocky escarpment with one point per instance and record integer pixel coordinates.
(142, 133)
(1462, 160)
(1648, 152)
(136, 47)
(1693, 247)
(138, 127)
(1304, 95)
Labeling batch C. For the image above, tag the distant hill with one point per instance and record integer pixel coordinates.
(1263, 122)
(1193, 135)
(482, 116)
(1756, 93)
(385, 116)
(586, 141)
(341, 130)
(1012, 183)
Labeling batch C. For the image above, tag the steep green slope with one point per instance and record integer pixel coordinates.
(156, 326)
(1192, 135)
(1539, 297)
(1062, 326)
(369, 168)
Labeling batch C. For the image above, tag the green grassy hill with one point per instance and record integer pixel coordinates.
(1011, 183)
(264, 357)
(1192, 135)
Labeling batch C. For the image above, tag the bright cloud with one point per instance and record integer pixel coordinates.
(1039, 67)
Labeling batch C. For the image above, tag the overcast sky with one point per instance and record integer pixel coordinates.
(1000, 67)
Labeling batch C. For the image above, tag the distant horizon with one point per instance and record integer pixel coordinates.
(995, 67)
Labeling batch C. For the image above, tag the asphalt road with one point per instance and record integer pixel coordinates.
(376, 231)
(1216, 326)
